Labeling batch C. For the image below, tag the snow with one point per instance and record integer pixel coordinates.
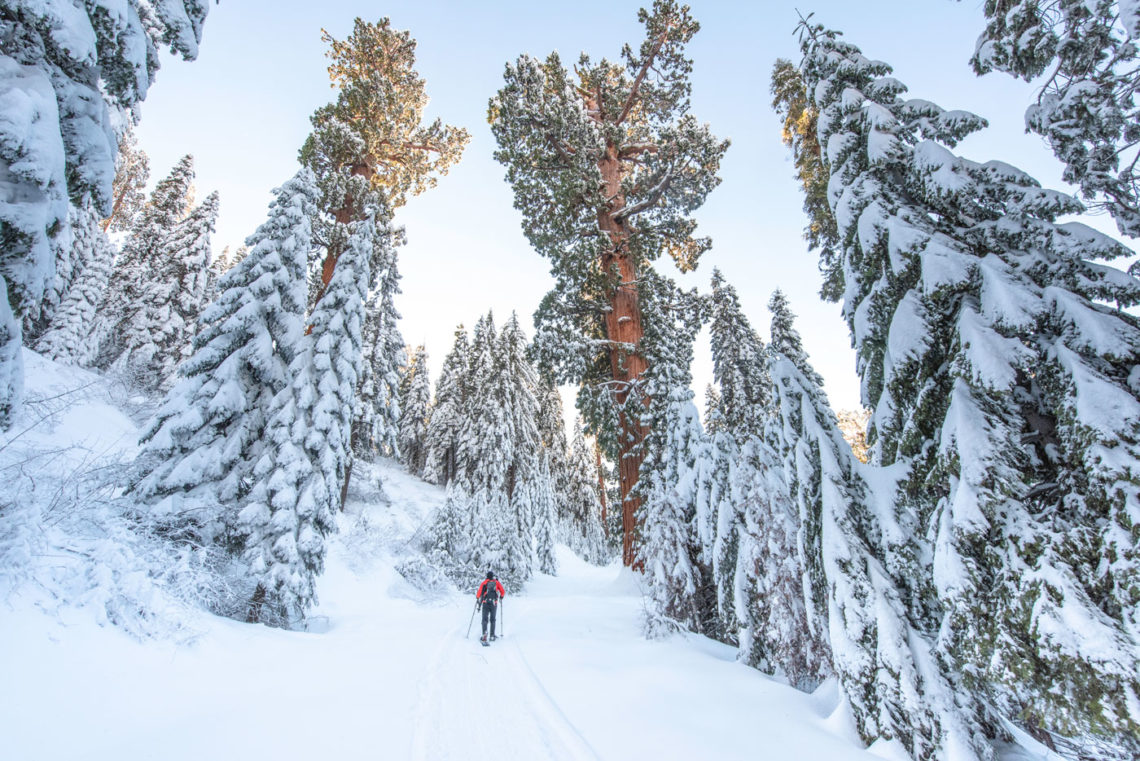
(385, 669)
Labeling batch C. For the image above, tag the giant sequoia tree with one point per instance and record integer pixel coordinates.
(372, 139)
(607, 166)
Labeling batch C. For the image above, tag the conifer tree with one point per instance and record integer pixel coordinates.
(544, 521)
(370, 142)
(376, 424)
(719, 521)
(482, 448)
(132, 171)
(300, 476)
(69, 337)
(519, 383)
(890, 674)
(210, 432)
(1086, 110)
(175, 296)
(740, 415)
(674, 449)
(446, 421)
(415, 411)
(582, 525)
(70, 261)
(449, 537)
(611, 148)
(738, 362)
(1000, 384)
(123, 325)
(799, 115)
(552, 433)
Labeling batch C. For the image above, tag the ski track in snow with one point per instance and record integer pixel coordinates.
(486, 703)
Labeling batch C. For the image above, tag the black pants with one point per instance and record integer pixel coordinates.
(489, 607)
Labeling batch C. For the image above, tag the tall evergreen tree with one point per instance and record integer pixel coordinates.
(370, 143)
(446, 422)
(1086, 108)
(610, 148)
(376, 424)
(301, 473)
(415, 411)
(210, 432)
(174, 298)
(545, 520)
(673, 459)
(68, 338)
(1002, 390)
(581, 526)
(738, 362)
(123, 325)
(519, 385)
(890, 674)
(132, 171)
(552, 432)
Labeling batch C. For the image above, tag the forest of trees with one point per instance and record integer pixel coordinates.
(962, 558)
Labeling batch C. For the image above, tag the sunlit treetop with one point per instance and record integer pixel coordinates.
(375, 126)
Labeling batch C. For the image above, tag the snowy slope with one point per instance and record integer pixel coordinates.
(386, 671)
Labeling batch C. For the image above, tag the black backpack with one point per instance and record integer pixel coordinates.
(490, 591)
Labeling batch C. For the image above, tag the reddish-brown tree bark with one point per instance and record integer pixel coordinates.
(602, 490)
(624, 331)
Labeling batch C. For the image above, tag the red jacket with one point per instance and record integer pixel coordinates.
(483, 587)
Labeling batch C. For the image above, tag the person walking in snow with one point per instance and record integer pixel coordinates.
(488, 596)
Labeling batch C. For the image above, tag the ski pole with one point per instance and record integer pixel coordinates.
(468, 634)
(501, 617)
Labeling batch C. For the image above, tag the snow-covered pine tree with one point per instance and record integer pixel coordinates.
(175, 296)
(303, 467)
(446, 422)
(517, 387)
(376, 424)
(61, 75)
(69, 337)
(738, 362)
(552, 432)
(607, 147)
(719, 520)
(202, 446)
(744, 389)
(545, 519)
(70, 261)
(415, 412)
(449, 536)
(132, 171)
(123, 324)
(1003, 389)
(483, 438)
(714, 416)
(669, 488)
(891, 677)
(581, 526)
(1086, 110)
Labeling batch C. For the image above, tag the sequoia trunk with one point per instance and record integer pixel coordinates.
(624, 331)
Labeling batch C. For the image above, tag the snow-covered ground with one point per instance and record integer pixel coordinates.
(385, 671)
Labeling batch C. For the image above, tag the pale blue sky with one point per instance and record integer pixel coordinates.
(242, 109)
